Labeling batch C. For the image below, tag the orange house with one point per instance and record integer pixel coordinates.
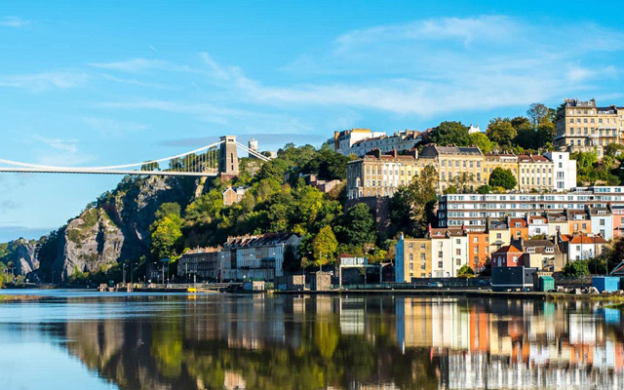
(478, 250)
(579, 221)
(518, 228)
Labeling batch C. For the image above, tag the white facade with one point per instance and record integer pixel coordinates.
(538, 225)
(460, 254)
(474, 129)
(602, 223)
(401, 141)
(564, 170)
(343, 140)
(441, 257)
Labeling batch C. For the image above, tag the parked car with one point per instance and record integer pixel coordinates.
(434, 284)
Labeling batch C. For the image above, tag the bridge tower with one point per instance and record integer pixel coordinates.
(228, 157)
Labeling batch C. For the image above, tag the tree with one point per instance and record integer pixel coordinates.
(450, 133)
(423, 199)
(502, 178)
(465, 272)
(501, 131)
(614, 150)
(482, 141)
(484, 189)
(521, 123)
(166, 231)
(324, 246)
(357, 226)
(538, 113)
(327, 164)
(584, 161)
(576, 268)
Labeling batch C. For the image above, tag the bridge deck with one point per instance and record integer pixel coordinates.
(213, 172)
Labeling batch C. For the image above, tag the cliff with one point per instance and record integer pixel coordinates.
(114, 228)
(21, 254)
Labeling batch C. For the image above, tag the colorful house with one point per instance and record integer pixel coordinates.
(518, 228)
(507, 256)
(478, 249)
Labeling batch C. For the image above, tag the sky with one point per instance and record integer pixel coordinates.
(88, 83)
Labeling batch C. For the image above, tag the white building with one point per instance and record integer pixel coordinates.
(564, 170)
(602, 222)
(441, 255)
(474, 129)
(343, 140)
(537, 225)
(401, 141)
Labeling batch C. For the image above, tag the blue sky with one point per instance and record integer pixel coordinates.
(84, 83)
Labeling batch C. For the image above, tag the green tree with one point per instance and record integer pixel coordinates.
(450, 133)
(465, 272)
(166, 231)
(502, 178)
(576, 268)
(327, 164)
(484, 189)
(538, 113)
(357, 226)
(324, 246)
(482, 141)
(501, 131)
(423, 199)
(521, 123)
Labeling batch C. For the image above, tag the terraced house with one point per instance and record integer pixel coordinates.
(381, 174)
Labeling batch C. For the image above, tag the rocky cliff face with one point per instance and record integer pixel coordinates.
(116, 228)
(21, 253)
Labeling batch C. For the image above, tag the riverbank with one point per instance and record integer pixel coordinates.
(18, 298)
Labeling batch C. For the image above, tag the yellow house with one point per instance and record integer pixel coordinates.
(499, 234)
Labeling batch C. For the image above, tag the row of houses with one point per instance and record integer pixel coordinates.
(382, 174)
(241, 257)
(505, 243)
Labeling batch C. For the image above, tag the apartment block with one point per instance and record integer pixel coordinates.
(413, 259)
(401, 141)
(472, 210)
(584, 126)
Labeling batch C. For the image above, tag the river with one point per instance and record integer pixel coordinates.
(85, 340)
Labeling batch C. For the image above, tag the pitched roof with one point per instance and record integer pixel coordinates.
(514, 221)
(508, 249)
(432, 151)
(537, 219)
(588, 240)
(258, 240)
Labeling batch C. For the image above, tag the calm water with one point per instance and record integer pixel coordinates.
(120, 341)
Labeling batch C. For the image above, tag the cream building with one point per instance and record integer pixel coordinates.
(583, 126)
(535, 173)
(455, 163)
(378, 174)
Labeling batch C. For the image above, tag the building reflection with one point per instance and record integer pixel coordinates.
(308, 342)
(515, 344)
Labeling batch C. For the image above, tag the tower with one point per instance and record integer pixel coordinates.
(228, 157)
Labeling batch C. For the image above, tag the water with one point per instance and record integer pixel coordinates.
(85, 340)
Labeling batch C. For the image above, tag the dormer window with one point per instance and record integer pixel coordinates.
(550, 250)
(530, 250)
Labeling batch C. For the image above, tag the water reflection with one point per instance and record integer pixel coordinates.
(261, 342)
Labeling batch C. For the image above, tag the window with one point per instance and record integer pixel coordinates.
(602, 222)
(499, 236)
(458, 252)
(411, 267)
(422, 256)
(584, 226)
(517, 233)
(476, 250)
(440, 254)
(440, 264)
(423, 246)
(458, 261)
(411, 246)
(515, 259)
(458, 241)
(423, 266)
(411, 256)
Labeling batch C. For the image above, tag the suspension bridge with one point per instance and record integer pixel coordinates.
(219, 158)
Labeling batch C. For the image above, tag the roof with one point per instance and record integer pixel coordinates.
(530, 158)
(258, 240)
(596, 211)
(556, 217)
(497, 224)
(508, 249)
(443, 233)
(433, 150)
(537, 243)
(514, 221)
(537, 219)
(588, 240)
